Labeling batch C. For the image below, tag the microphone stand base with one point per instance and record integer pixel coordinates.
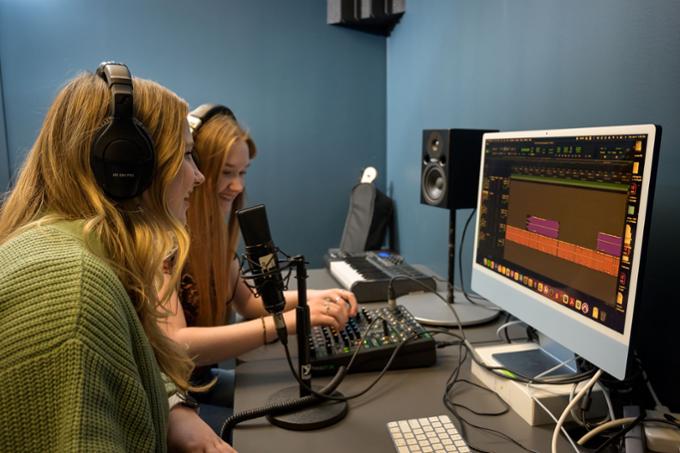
(323, 414)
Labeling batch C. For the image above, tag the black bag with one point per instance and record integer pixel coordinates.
(370, 220)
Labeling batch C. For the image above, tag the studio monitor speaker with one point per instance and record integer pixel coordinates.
(450, 167)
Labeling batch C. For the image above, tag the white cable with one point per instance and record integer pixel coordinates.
(651, 389)
(551, 415)
(556, 367)
(507, 324)
(574, 414)
(547, 411)
(567, 410)
(657, 402)
(603, 427)
(607, 399)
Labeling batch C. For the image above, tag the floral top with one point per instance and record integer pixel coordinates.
(187, 294)
(189, 298)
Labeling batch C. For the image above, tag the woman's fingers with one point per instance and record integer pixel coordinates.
(328, 312)
(350, 299)
(342, 297)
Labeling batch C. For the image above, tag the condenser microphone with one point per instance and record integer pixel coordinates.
(262, 260)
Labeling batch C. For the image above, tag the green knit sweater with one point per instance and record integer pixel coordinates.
(77, 372)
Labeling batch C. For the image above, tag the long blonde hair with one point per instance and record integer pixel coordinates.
(56, 183)
(213, 240)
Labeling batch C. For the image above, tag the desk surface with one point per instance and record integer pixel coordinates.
(400, 394)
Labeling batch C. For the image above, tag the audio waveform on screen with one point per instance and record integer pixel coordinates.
(609, 244)
(602, 261)
(545, 227)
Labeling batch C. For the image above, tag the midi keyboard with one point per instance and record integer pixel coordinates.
(369, 274)
(329, 348)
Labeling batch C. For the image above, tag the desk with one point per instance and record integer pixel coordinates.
(400, 394)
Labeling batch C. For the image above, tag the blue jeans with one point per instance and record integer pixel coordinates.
(218, 403)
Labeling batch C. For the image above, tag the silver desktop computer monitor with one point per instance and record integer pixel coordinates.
(563, 217)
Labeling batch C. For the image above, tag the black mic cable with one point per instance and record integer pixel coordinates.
(280, 407)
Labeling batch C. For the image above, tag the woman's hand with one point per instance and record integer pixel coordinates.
(188, 433)
(336, 295)
(327, 307)
(331, 307)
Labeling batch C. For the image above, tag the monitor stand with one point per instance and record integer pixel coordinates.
(429, 309)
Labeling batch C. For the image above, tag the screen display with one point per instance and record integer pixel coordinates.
(558, 215)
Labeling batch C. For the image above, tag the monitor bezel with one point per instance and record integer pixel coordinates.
(601, 345)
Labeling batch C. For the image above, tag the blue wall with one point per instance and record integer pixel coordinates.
(312, 95)
(538, 64)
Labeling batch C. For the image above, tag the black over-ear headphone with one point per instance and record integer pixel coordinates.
(201, 114)
(122, 157)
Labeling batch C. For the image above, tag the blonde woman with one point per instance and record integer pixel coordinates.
(97, 206)
(211, 285)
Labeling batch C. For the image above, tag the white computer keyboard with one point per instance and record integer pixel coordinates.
(431, 434)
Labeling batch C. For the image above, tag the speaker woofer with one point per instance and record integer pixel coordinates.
(434, 184)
